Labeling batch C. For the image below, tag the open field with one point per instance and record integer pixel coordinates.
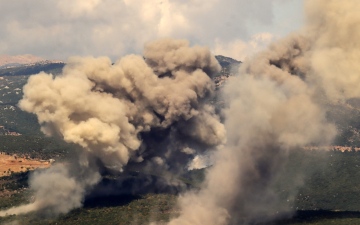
(11, 163)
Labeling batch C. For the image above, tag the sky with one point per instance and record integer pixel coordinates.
(55, 29)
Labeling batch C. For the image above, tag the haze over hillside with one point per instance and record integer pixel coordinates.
(155, 112)
(19, 59)
(16, 119)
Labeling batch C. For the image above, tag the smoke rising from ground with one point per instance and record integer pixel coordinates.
(132, 112)
(334, 33)
(115, 111)
(274, 107)
(57, 190)
(270, 113)
(104, 107)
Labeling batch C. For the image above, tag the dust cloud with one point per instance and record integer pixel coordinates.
(145, 110)
(275, 106)
(153, 111)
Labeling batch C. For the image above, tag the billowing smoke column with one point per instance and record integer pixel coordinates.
(275, 106)
(113, 111)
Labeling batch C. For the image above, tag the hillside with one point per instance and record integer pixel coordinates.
(229, 67)
(9, 60)
(20, 131)
(34, 68)
(12, 79)
(330, 179)
(328, 194)
(13, 121)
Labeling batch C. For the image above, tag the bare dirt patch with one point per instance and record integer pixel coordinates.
(12, 163)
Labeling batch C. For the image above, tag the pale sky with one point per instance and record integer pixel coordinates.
(55, 29)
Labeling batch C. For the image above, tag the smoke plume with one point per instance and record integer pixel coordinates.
(275, 106)
(57, 190)
(144, 110)
(152, 112)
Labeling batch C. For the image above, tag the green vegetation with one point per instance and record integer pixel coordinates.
(39, 147)
(228, 65)
(126, 210)
(32, 69)
(320, 217)
(346, 116)
(328, 183)
(31, 142)
(329, 194)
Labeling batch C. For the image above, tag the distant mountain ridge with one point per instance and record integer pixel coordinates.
(28, 65)
(12, 80)
(226, 61)
(19, 59)
(43, 62)
(32, 68)
(7, 61)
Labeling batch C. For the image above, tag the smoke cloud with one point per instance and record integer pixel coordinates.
(275, 106)
(57, 190)
(152, 112)
(334, 34)
(271, 112)
(116, 111)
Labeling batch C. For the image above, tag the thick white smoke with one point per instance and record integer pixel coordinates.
(112, 110)
(274, 107)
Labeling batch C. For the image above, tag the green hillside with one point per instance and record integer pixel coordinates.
(330, 193)
(13, 120)
(49, 67)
